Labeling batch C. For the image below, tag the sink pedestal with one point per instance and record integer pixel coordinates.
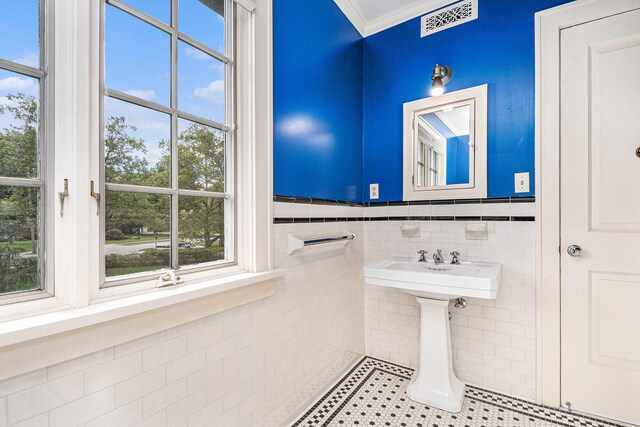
(434, 383)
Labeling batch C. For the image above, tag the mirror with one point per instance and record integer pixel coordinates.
(445, 146)
(442, 147)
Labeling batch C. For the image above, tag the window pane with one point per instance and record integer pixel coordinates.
(19, 235)
(136, 145)
(201, 86)
(201, 160)
(159, 9)
(203, 20)
(137, 233)
(19, 125)
(20, 32)
(137, 57)
(201, 224)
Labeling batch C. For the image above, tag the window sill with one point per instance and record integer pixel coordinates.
(70, 319)
(43, 340)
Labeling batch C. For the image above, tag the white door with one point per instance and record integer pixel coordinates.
(600, 212)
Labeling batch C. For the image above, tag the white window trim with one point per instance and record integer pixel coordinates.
(126, 284)
(45, 78)
(78, 303)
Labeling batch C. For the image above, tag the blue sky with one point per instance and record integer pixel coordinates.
(137, 62)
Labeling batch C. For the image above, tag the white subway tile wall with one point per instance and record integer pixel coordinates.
(493, 341)
(255, 365)
(263, 363)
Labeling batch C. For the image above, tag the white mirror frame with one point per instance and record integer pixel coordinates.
(477, 187)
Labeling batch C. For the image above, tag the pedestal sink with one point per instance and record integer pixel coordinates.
(434, 382)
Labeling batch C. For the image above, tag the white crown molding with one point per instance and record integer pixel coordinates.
(353, 15)
(368, 28)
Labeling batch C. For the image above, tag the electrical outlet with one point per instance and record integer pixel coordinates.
(373, 191)
(522, 182)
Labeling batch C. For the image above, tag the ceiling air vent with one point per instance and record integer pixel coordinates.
(450, 16)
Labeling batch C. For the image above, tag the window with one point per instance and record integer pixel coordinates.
(150, 123)
(429, 161)
(434, 166)
(168, 153)
(26, 148)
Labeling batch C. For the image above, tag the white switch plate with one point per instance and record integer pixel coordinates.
(373, 191)
(522, 182)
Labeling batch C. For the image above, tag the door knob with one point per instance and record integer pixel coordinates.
(574, 250)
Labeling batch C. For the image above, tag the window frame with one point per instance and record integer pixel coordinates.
(146, 280)
(78, 301)
(44, 180)
(426, 167)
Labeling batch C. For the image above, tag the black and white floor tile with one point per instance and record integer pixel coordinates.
(372, 393)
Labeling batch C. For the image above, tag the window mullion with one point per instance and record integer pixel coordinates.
(174, 134)
(203, 47)
(116, 94)
(22, 69)
(202, 121)
(230, 146)
(141, 15)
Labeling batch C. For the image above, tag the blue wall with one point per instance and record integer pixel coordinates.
(497, 49)
(317, 101)
(458, 160)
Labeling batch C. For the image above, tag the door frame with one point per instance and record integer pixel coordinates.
(548, 24)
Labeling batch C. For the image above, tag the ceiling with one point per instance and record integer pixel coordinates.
(372, 16)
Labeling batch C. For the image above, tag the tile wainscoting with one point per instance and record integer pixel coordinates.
(257, 365)
(493, 340)
(263, 363)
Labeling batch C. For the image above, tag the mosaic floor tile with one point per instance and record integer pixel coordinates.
(372, 393)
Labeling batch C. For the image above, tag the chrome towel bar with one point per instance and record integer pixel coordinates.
(296, 243)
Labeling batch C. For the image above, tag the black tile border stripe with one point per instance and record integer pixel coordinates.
(315, 201)
(553, 415)
(355, 391)
(308, 200)
(404, 218)
(329, 392)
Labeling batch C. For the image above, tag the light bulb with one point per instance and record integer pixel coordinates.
(437, 88)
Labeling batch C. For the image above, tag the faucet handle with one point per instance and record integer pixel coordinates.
(454, 259)
(455, 254)
(422, 253)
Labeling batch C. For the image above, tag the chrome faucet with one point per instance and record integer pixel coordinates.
(454, 257)
(422, 253)
(437, 257)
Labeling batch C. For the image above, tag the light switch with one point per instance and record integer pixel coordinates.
(522, 182)
(373, 191)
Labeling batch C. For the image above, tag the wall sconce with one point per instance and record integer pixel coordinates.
(441, 76)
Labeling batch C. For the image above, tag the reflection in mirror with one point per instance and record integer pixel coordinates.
(445, 146)
(442, 152)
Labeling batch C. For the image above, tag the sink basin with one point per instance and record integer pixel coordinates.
(434, 383)
(441, 281)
